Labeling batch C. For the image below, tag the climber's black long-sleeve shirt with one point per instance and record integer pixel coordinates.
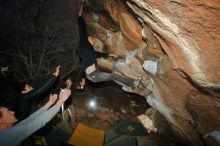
(25, 102)
(86, 50)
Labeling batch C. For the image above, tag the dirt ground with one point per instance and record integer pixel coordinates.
(112, 103)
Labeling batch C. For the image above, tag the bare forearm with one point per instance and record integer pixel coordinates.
(59, 103)
(80, 11)
(46, 106)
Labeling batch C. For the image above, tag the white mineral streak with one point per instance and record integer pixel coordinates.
(169, 29)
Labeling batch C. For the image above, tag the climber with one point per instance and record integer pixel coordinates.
(88, 55)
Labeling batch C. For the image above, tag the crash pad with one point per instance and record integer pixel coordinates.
(124, 127)
(86, 136)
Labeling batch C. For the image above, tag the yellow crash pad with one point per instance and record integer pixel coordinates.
(86, 136)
